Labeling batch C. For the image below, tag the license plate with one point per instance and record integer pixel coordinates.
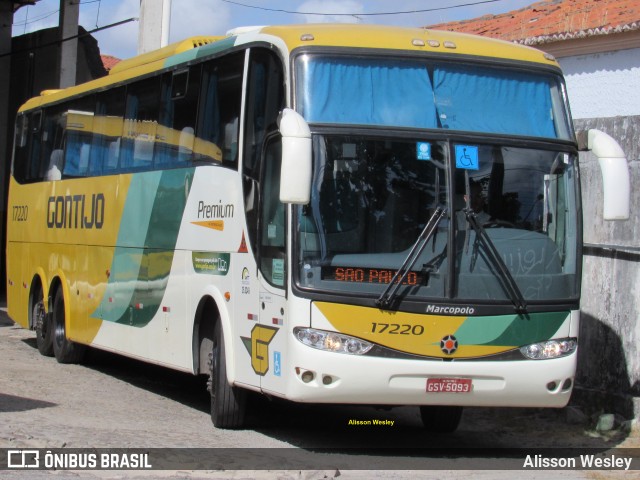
(449, 385)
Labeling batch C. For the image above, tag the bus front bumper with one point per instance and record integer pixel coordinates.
(327, 377)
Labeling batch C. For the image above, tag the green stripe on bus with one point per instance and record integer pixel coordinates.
(142, 261)
(510, 330)
(127, 257)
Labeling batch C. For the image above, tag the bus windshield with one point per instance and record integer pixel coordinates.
(372, 197)
(433, 95)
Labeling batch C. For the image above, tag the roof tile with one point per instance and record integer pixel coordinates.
(109, 61)
(554, 20)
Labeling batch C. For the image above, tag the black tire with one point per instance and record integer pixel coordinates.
(440, 419)
(64, 349)
(42, 325)
(228, 404)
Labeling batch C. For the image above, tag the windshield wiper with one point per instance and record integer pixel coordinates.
(385, 300)
(506, 279)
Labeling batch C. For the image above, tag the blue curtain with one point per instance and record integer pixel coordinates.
(350, 91)
(490, 100)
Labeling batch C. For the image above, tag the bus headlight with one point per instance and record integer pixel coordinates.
(550, 349)
(331, 341)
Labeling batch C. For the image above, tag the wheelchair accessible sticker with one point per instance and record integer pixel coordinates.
(467, 157)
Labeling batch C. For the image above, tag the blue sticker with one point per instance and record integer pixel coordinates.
(277, 370)
(467, 157)
(423, 151)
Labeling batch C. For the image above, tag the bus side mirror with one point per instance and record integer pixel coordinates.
(295, 175)
(615, 172)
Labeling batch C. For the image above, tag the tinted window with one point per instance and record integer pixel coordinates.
(219, 111)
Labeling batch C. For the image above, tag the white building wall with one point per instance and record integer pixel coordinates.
(603, 85)
(604, 93)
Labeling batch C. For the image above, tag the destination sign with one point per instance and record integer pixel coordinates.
(369, 275)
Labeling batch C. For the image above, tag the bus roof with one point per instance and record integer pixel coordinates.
(402, 38)
(375, 37)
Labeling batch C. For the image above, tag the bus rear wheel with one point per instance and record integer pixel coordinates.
(228, 404)
(440, 419)
(42, 323)
(64, 349)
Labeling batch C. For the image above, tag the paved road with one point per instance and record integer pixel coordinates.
(113, 402)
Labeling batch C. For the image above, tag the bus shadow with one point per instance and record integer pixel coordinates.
(603, 384)
(31, 342)
(13, 403)
(5, 321)
(180, 387)
(186, 389)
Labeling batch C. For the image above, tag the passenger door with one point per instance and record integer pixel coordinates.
(270, 338)
(264, 337)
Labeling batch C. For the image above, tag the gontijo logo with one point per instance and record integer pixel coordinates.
(76, 211)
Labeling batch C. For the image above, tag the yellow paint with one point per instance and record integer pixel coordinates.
(413, 333)
(261, 336)
(80, 257)
(398, 38)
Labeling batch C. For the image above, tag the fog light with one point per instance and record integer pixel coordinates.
(551, 386)
(567, 384)
(327, 380)
(550, 349)
(307, 376)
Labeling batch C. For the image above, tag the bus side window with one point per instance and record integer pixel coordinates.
(52, 144)
(22, 144)
(265, 100)
(273, 218)
(230, 92)
(219, 111)
(140, 125)
(178, 111)
(33, 169)
(79, 133)
(107, 128)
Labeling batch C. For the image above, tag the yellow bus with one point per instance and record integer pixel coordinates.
(320, 213)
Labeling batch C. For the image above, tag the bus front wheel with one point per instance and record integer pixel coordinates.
(228, 404)
(440, 419)
(64, 349)
(42, 324)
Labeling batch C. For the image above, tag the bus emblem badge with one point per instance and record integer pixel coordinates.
(258, 348)
(449, 344)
